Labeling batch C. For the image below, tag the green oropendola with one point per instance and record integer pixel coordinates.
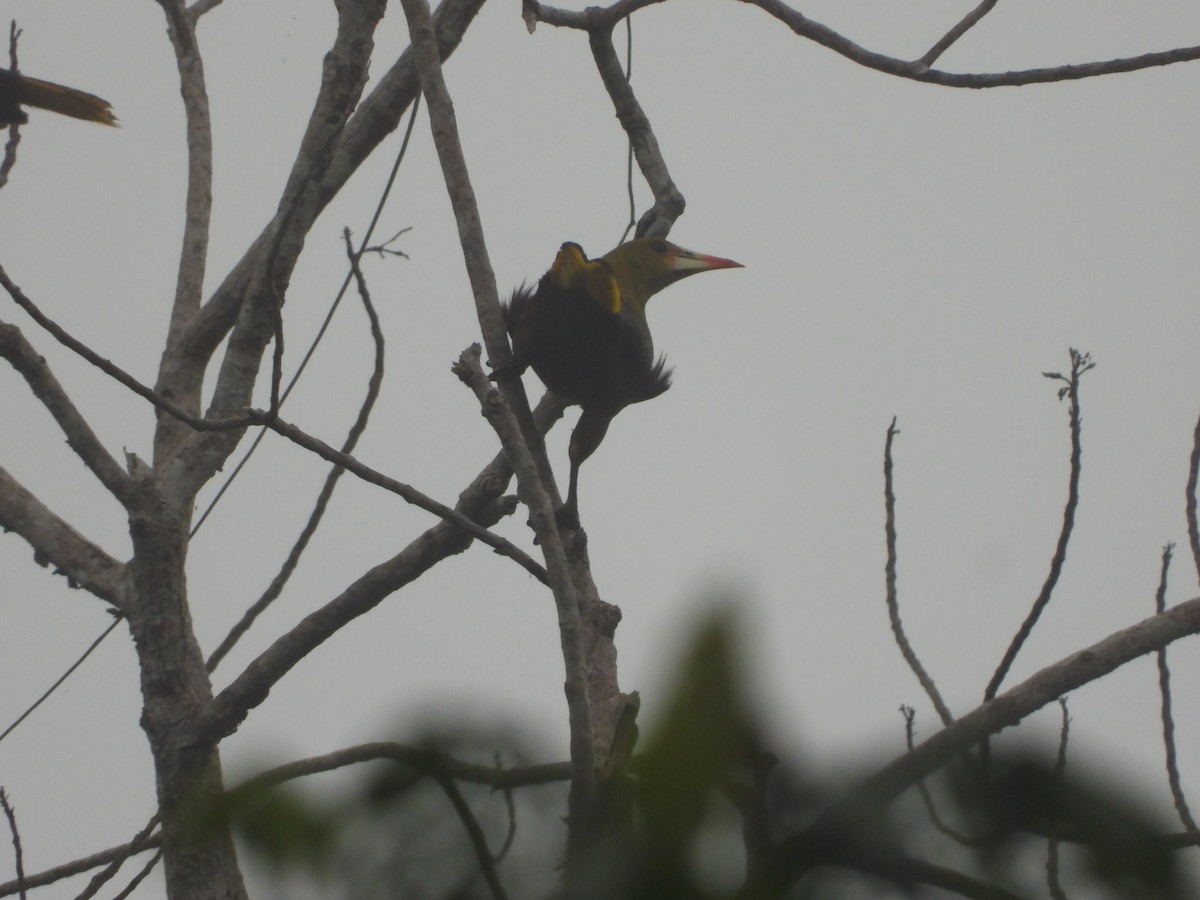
(19, 90)
(583, 330)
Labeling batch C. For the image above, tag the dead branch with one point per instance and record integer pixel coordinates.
(375, 382)
(180, 375)
(950, 37)
(170, 486)
(1080, 363)
(18, 854)
(56, 543)
(668, 201)
(893, 601)
(1004, 711)
(530, 484)
(1168, 718)
(80, 437)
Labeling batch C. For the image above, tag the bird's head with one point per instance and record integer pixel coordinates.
(645, 266)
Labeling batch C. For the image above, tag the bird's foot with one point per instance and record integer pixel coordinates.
(512, 370)
(567, 517)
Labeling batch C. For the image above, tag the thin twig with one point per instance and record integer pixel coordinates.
(501, 545)
(511, 808)
(268, 419)
(914, 70)
(629, 141)
(110, 369)
(935, 818)
(14, 130)
(1193, 477)
(893, 603)
(140, 876)
(1168, 719)
(423, 759)
(1060, 766)
(114, 865)
(78, 866)
(65, 675)
(668, 201)
(481, 501)
(595, 18)
(18, 854)
(474, 832)
(275, 588)
(1060, 678)
(964, 25)
(324, 328)
(1080, 363)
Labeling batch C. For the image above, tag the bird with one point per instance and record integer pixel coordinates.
(582, 329)
(18, 90)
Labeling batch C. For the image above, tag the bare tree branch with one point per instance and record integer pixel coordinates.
(1191, 492)
(964, 25)
(893, 601)
(140, 876)
(1080, 363)
(487, 305)
(596, 18)
(918, 71)
(11, 815)
(480, 502)
(80, 437)
(668, 201)
(14, 132)
(115, 372)
(935, 818)
(58, 544)
(200, 7)
(376, 117)
(181, 375)
(589, 19)
(269, 420)
(1168, 719)
(62, 678)
(275, 588)
(344, 75)
(1002, 712)
(475, 834)
(412, 495)
(141, 841)
(1053, 881)
(423, 759)
(84, 864)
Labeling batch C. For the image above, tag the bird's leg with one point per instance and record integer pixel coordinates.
(589, 432)
(513, 370)
(567, 515)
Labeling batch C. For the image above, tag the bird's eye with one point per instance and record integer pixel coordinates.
(659, 247)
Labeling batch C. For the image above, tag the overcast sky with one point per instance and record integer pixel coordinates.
(910, 250)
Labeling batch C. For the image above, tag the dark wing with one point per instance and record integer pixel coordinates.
(657, 380)
(517, 312)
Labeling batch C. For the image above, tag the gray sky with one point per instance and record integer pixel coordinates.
(910, 250)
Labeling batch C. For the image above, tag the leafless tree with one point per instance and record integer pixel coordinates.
(227, 338)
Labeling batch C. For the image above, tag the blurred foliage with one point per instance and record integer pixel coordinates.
(704, 811)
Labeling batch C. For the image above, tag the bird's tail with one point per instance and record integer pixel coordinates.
(67, 101)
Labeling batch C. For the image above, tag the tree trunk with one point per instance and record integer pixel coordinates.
(198, 851)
